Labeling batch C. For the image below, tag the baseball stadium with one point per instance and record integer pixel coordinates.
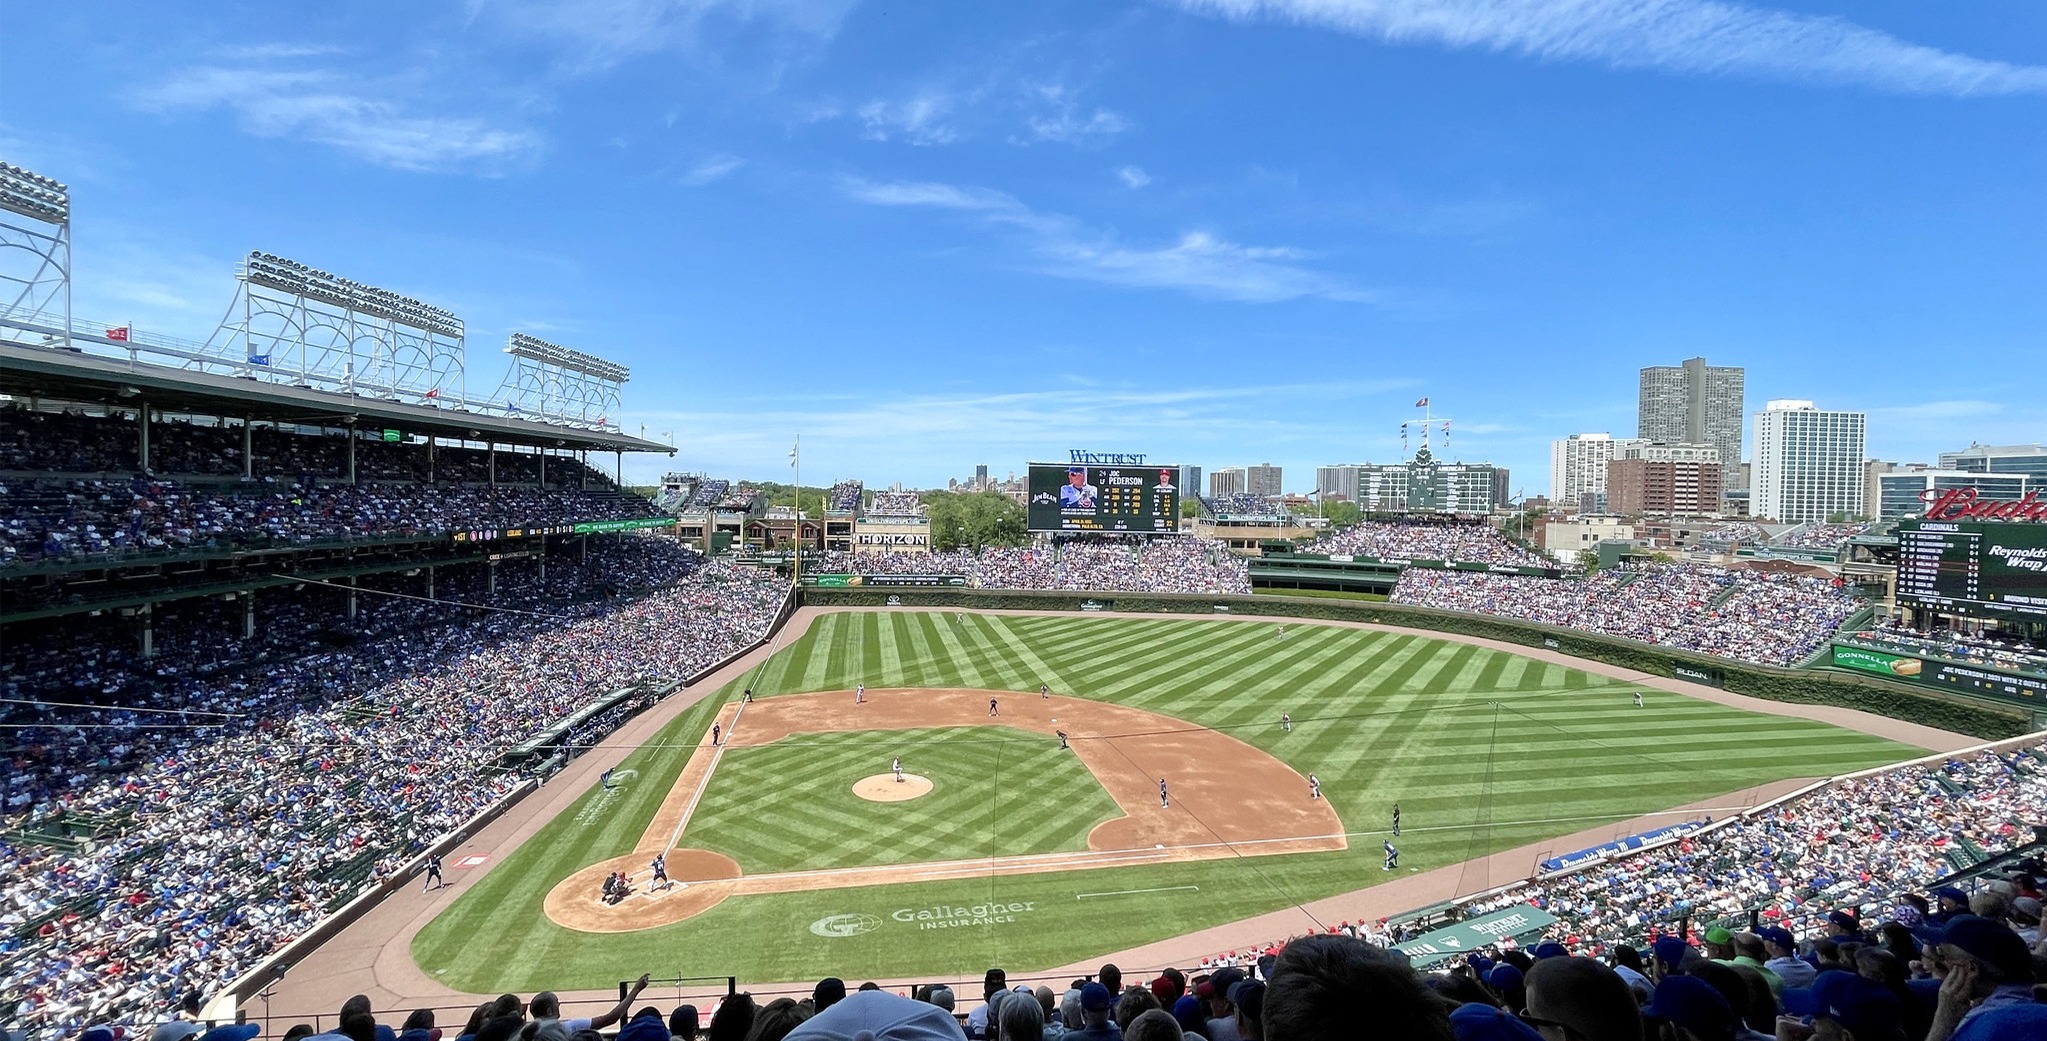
(343, 690)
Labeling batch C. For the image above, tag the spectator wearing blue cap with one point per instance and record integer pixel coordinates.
(1476, 1022)
(1949, 903)
(1696, 1010)
(1095, 1005)
(1842, 1007)
(1781, 947)
(1989, 970)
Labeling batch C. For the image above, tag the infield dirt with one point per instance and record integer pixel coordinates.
(1251, 804)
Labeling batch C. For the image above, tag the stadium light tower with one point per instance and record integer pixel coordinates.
(290, 322)
(553, 383)
(35, 253)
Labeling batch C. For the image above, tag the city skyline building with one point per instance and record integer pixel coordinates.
(1695, 403)
(1808, 462)
(1577, 464)
(1263, 480)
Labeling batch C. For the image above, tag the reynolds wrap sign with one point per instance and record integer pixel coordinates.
(1607, 849)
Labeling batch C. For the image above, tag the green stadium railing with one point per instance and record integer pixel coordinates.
(1959, 712)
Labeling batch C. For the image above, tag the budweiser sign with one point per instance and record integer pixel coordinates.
(1966, 504)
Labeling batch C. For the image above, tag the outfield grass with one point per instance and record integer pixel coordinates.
(980, 775)
(1484, 750)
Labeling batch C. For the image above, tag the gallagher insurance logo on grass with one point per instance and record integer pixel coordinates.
(945, 916)
(836, 926)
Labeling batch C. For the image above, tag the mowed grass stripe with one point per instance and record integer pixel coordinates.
(1379, 716)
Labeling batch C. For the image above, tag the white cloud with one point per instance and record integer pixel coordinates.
(930, 193)
(715, 168)
(1134, 176)
(1689, 36)
(592, 35)
(1063, 119)
(918, 120)
(332, 109)
(1198, 262)
(1070, 126)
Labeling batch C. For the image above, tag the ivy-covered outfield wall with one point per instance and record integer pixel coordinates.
(1960, 714)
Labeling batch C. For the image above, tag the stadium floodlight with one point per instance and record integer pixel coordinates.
(289, 276)
(535, 349)
(33, 195)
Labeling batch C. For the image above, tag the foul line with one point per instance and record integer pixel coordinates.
(1133, 892)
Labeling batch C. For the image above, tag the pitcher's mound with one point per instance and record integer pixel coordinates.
(885, 787)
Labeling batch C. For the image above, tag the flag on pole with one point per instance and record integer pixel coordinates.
(118, 335)
(1423, 403)
(792, 452)
(259, 359)
(434, 392)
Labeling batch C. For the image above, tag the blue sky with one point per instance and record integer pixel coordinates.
(932, 235)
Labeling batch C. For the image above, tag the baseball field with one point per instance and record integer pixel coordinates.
(794, 852)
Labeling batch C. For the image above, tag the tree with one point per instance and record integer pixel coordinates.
(1342, 513)
(975, 520)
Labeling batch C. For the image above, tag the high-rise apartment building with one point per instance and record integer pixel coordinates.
(1334, 483)
(1229, 480)
(1808, 462)
(1664, 480)
(1694, 404)
(1263, 479)
(1577, 464)
(1190, 480)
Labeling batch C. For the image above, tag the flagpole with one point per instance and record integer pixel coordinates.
(796, 460)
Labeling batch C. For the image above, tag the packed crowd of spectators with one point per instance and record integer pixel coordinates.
(844, 496)
(1820, 536)
(236, 804)
(2014, 652)
(74, 442)
(1405, 540)
(707, 494)
(1745, 533)
(1851, 846)
(1240, 505)
(1747, 615)
(1182, 564)
(896, 504)
(89, 517)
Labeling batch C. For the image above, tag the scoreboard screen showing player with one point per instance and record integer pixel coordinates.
(1973, 568)
(1103, 498)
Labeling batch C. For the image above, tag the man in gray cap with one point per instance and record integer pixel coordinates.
(880, 1016)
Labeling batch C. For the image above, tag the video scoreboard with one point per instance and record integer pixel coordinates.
(1074, 497)
(1972, 568)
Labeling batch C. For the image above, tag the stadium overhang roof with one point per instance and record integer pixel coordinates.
(61, 375)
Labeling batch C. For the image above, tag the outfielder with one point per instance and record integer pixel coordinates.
(1638, 699)
(1286, 722)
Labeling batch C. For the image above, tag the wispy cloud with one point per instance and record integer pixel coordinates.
(363, 119)
(927, 434)
(1134, 176)
(593, 35)
(1066, 120)
(1198, 262)
(1686, 36)
(716, 168)
(919, 119)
